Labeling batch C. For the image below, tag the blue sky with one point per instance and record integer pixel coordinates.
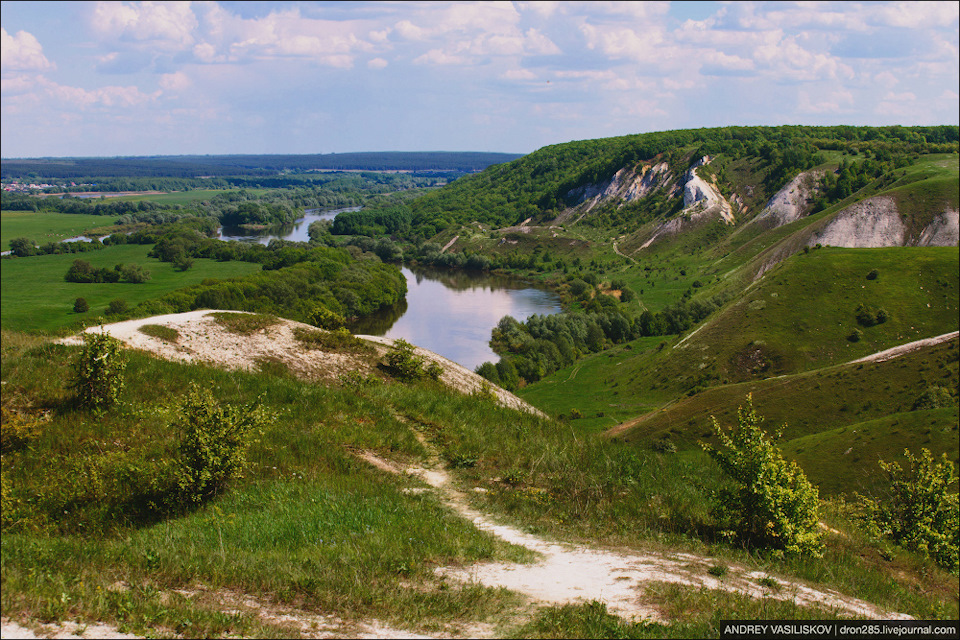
(162, 78)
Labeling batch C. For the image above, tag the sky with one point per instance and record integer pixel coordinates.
(168, 78)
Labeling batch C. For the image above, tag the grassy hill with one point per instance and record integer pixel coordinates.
(684, 315)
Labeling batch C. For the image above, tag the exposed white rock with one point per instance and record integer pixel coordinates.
(700, 194)
(876, 222)
(626, 185)
(944, 231)
(790, 203)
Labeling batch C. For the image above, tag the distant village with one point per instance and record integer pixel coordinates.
(34, 187)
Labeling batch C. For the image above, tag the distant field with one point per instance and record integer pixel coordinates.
(35, 297)
(182, 197)
(46, 227)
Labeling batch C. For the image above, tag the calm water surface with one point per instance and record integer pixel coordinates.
(453, 312)
(295, 232)
(449, 312)
(446, 311)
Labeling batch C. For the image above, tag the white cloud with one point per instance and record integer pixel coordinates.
(519, 74)
(377, 63)
(161, 25)
(22, 52)
(438, 56)
(916, 14)
(110, 97)
(175, 82)
(836, 101)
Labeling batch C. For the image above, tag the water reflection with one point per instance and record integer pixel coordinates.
(298, 231)
(453, 312)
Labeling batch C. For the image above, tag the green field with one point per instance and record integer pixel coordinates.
(35, 296)
(44, 227)
(184, 198)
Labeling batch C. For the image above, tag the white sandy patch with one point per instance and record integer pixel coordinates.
(202, 339)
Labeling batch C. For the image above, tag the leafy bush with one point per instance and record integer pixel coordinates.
(117, 307)
(134, 273)
(19, 424)
(934, 397)
(403, 363)
(921, 512)
(664, 445)
(81, 306)
(213, 442)
(773, 504)
(98, 371)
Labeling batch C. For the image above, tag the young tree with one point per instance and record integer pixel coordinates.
(23, 247)
(773, 503)
(213, 442)
(98, 371)
(921, 512)
(134, 273)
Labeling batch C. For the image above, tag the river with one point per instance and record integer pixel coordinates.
(446, 311)
(453, 312)
(449, 312)
(298, 231)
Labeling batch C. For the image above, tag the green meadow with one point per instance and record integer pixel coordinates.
(43, 227)
(35, 296)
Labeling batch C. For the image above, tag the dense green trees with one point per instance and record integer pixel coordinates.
(543, 183)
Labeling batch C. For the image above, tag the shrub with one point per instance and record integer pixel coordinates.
(664, 445)
(98, 371)
(117, 307)
(921, 512)
(80, 306)
(23, 247)
(404, 364)
(873, 274)
(773, 504)
(134, 273)
(934, 397)
(213, 442)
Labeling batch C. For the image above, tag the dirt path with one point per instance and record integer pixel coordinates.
(568, 573)
(895, 352)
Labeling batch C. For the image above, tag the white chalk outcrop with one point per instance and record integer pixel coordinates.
(701, 200)
(876, 222)
(626, 185)
(791, 203)
(700, 196)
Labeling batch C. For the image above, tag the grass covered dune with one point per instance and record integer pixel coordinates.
(310, 528)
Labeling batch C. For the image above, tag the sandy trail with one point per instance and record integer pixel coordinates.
(569, 573)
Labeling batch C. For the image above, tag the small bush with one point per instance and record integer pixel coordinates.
(80, 306)
(873, 274)
(921, 512)
(134, 273)
(664, 445)
(98, 371)
(773, 504)
(19, 423)
(404, 364)
(213, 442)
(336, 340)
(117, 307)
(855, 336)
(934, 397)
